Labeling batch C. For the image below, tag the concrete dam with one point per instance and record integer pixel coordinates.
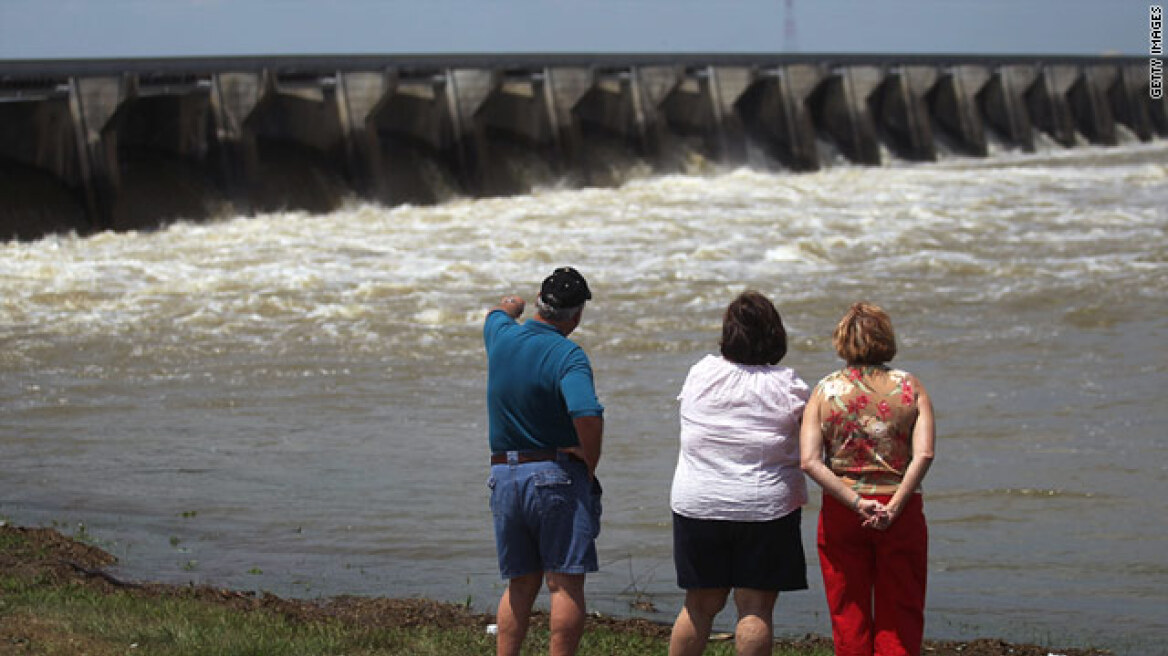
(92, 145)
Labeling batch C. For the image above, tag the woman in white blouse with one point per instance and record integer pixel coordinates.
(738, 488)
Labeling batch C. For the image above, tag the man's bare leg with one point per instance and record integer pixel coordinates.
(514, 613)
(568, 611)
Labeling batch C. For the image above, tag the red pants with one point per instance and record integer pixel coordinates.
(862, 565)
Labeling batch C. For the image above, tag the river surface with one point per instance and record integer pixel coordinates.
(294, 403)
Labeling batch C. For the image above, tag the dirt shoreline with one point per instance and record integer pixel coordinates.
(47, 555)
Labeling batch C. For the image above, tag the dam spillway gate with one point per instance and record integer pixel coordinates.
(90, 145)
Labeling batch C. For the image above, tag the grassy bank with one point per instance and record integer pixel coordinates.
(56, 598)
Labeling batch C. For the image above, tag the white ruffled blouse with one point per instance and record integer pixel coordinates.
(739, 456)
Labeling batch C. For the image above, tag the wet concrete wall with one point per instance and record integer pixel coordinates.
(131, 144)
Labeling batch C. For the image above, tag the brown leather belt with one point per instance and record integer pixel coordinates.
(531, 456)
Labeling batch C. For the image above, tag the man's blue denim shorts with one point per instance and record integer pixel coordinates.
(547, 517)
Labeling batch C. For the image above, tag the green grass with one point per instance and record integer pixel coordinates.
(61, 619)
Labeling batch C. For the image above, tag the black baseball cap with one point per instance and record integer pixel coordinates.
(565, 288)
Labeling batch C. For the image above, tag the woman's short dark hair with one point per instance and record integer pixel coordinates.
(752, 331)
(864, 335)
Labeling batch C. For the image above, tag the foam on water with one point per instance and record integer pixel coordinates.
(744, 225)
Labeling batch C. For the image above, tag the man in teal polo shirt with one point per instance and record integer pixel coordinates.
(546, 429)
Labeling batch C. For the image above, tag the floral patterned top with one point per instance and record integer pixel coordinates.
(867, 414)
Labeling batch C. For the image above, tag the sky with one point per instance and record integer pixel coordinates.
(56, 29)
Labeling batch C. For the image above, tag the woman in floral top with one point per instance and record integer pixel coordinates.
(867, 439)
